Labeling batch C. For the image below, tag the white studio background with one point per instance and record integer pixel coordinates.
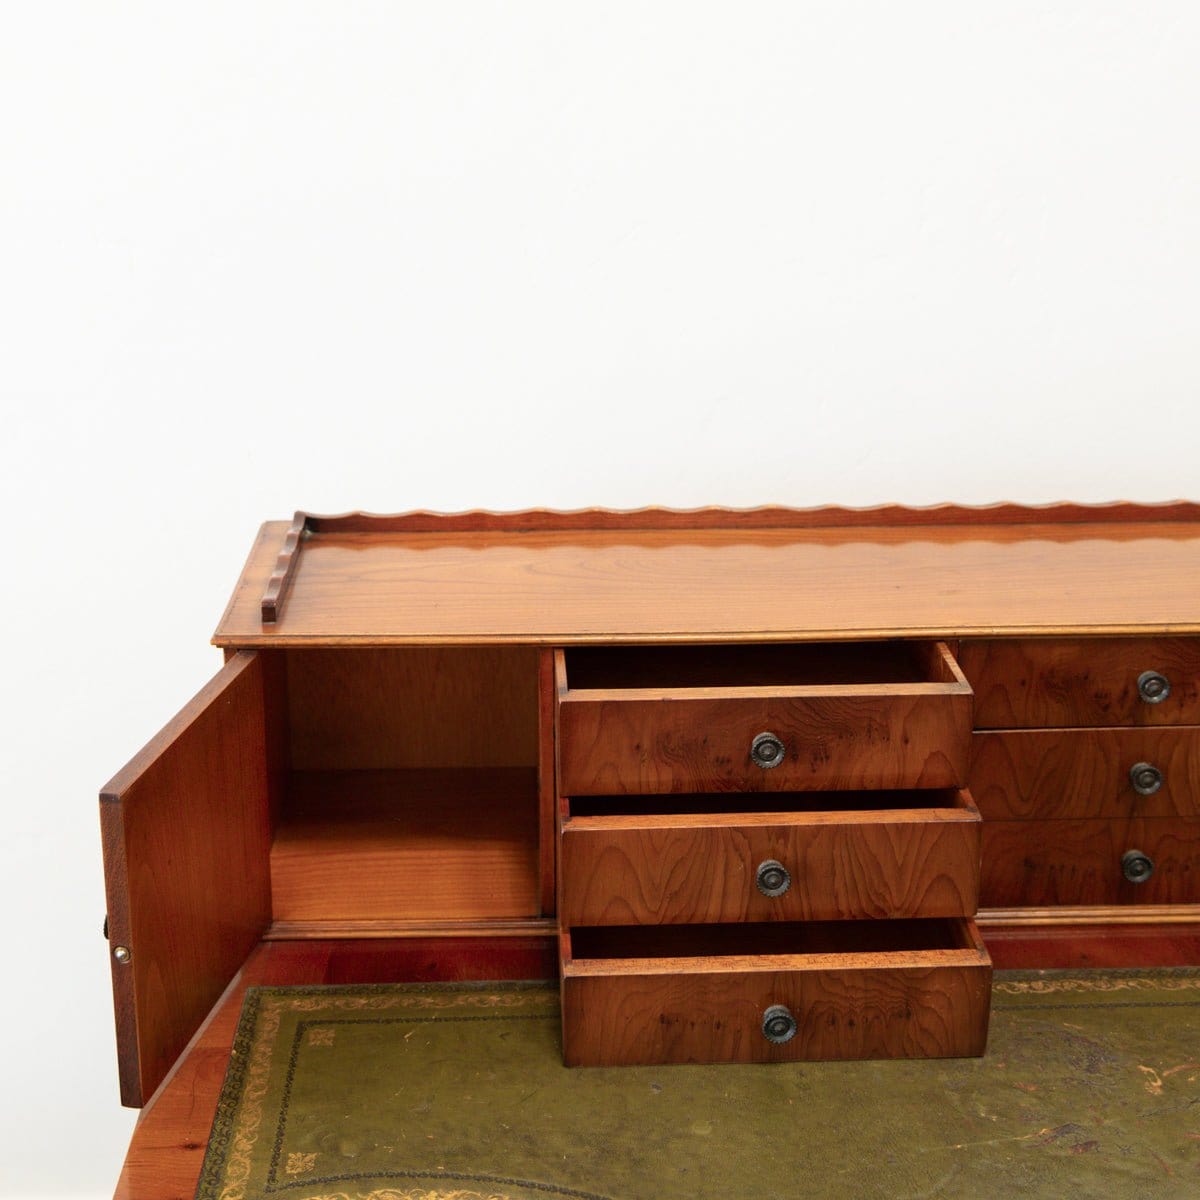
(255, 257)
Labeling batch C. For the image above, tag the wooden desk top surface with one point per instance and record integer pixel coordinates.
(718, 576)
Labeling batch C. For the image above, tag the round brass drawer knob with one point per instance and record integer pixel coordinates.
(778, 1025)
(1153, 687)
(1136, 866)
(772, 878)
(1146, 779)
(767, 751)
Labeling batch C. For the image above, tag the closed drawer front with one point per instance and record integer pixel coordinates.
(883, 989)
(882, 854)
(1083, 681)
(1076, 773)
(639, 720)
(1046, 863)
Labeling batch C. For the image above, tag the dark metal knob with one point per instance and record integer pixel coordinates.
(772, 878)
(778, 1025)
(767, 751)
(1136, 866)
(1146, 779)
(1153, 687)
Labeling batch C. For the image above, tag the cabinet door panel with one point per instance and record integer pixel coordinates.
(186, 828)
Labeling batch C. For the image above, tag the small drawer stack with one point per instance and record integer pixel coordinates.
(767, 853)
(1086, 768)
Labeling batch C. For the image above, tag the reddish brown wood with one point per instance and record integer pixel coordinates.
(547, 784)
(1073, 773)
(167, 1149)
(595, 586)
(652, 868)
(897, 997)
(1022, 683)
(692, 736)
(407, 845)
(413, 706)
(277, 741)
(1015, 947)
(286, 566)
(165, 1155)
(440, 960)
(1049, 863)
(186, 831)
(395, 929)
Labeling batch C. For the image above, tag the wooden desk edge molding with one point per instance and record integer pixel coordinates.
(709, 767)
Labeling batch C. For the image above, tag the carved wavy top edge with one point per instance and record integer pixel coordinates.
(547, 520)
(764, 517)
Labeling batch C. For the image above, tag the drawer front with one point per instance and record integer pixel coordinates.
(1086, 773)
(1047, 863)
(903, 1005)
(685, 744)
(1023, 684)
(696, 868)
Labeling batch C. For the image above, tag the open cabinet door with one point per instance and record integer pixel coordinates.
(187, 835)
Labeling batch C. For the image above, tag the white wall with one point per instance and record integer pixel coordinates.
(261, 257)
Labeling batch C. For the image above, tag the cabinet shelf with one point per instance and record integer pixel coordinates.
(406, 844)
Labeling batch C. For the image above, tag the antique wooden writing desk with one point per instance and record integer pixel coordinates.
(758, 784)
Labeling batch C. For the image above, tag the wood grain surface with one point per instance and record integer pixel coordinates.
(1022, 683)
(1048, 863)
(547, 783)
(895, 1002)
(590, 586)
(455, 843)
(285, 569)
(1074, 773)
(677, 744)
(700, 867)
(413, 707)
(186, 831)
(421, 928)
(1020, 947)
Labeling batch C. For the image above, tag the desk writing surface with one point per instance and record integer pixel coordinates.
(580, 586)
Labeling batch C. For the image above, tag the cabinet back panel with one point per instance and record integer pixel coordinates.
(424, 706)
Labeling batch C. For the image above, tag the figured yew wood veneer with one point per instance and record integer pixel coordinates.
(716, 575)
(1042, 864)
(1077, 773)
(919, 858)
(1021, 683)
(851, 732)
(1117, 943)
(695, 994)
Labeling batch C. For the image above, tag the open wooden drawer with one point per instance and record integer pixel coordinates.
(321, 794)
(786, 717)
(774, 992)
(782, 856)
